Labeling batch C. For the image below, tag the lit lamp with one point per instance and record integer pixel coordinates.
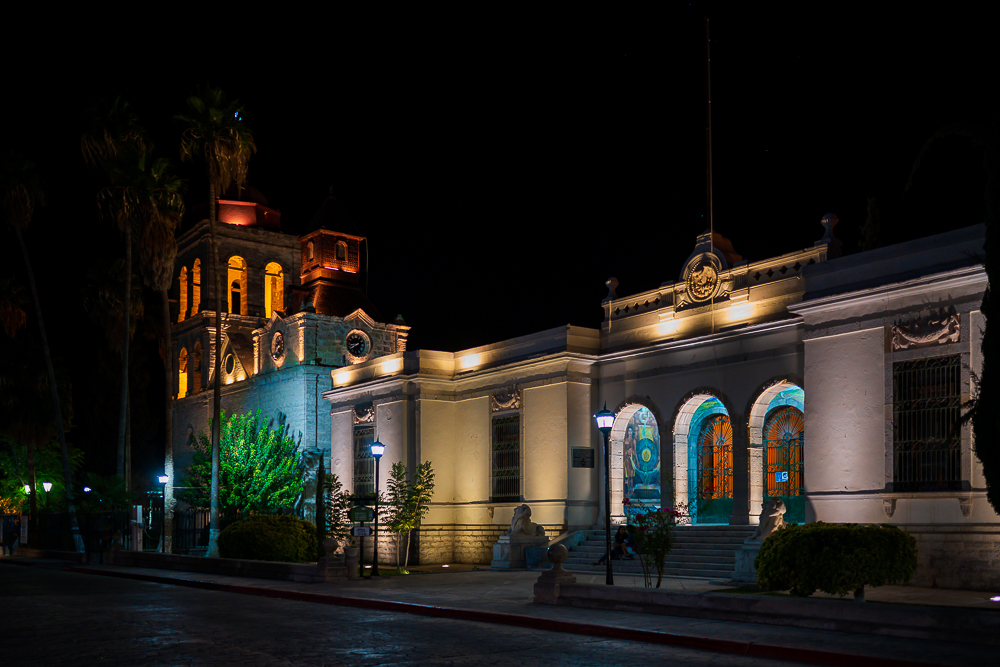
(163, 479)
(377, 450)
(47, 486)
(605, 418)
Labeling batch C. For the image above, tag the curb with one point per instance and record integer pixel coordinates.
(751, 649)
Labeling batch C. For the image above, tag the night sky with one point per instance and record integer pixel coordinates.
(501, 176)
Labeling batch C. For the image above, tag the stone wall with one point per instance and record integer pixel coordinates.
(458, 543)
(471, 543)
(960, 557)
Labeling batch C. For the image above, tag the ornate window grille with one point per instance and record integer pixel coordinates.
(364, 463)
(926, 408)
(784, 440)
(716, 458)
(505, 472)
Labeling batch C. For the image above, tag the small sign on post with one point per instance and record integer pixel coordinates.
(361, 531)
(361, 514)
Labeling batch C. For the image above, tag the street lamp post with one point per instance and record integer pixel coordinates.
(163, 479)
(48, 487)
(377, 450)
(605, 418)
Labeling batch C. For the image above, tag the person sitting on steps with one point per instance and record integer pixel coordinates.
(617, 546)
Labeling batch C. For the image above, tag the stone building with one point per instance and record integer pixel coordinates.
(293, 310)
(832, 383)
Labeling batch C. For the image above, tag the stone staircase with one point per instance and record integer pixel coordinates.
(707, 552)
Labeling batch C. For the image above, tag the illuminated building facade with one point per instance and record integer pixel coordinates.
(294, 309)
(832, 383)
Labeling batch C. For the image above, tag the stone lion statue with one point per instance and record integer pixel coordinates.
(521, 524)
(772, 518)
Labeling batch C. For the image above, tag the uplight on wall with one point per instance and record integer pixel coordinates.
(740, 312)
(667, 327)
(340, 378)
(470, 361)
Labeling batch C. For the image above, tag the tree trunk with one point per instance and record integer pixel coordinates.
(33, 495)
(213, 531)
(168, 450)
(54, 391)
(127, 321)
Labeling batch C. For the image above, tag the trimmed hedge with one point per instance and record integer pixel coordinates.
(835, 558)
(282, 538)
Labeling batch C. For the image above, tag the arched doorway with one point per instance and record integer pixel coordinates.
(703, 440)
(777, 440)
(641, 462)
(635, 462)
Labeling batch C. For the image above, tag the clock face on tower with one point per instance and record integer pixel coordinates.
(358, 345)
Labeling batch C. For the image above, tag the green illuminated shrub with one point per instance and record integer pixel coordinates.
(282, 538)
(835, 558)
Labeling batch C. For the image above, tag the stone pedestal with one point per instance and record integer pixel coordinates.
(548, 584)
(508, 552)
(745, 556)
(351, 561)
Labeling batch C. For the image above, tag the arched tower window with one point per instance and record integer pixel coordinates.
(196, 287)
(274, 288)
(237, 285)
(310, 251)
(341, 251)
(182, 373)
(183, 299)
(196, 368)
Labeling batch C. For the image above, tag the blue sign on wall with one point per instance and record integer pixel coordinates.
(781, 476)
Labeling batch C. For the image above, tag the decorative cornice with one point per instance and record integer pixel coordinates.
(964, 277)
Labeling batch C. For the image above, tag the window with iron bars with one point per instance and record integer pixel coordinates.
(926, 408)
(364, 462)
(505, 471)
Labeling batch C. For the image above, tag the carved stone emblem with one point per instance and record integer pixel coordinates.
(702, 280)
(277, 346)
(934, 330)
(364, 414)
(509, 399)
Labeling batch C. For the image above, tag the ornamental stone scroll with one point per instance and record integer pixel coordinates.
(927, 332)
(364, 414)
(509, 399)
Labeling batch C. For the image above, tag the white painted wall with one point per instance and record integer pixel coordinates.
(845, 413)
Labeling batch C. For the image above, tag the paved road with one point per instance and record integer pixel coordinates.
(52, 617)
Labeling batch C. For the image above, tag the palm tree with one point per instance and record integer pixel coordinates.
(113, 133)
(214, 133)
(158, 249)
(21, 192)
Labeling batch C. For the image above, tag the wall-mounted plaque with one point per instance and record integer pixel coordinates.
(583, 457)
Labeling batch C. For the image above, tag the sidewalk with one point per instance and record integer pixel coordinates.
(505, 597)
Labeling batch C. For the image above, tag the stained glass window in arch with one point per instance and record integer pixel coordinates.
(641, 453)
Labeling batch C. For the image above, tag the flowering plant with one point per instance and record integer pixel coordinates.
(655, 540)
